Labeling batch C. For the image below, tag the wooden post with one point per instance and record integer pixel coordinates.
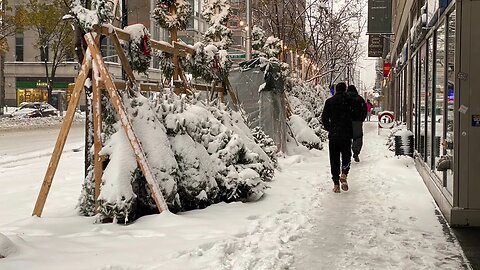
(62, 137)
(120, 109)
(123, 58)
(97, 137)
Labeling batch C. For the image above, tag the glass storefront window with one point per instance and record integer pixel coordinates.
(439, 93)
(415, 96)
(422, 100)
(429, 97)
(450, 94)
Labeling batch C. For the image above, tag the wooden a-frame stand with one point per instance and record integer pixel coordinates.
(102, 80)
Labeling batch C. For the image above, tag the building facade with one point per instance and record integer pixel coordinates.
(432, 88)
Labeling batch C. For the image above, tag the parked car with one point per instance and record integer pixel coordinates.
(35, 109)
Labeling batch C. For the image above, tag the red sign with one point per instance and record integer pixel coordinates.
(386, 69)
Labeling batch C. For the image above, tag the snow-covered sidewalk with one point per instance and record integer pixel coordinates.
(386, 221)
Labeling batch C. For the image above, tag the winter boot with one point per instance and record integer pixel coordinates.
(343, 181)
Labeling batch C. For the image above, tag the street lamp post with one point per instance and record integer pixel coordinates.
(49, 85)
(249, 27)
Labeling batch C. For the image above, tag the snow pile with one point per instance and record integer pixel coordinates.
(199, 155)
(6, 246)
(12, 123)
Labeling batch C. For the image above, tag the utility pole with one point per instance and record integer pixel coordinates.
(124, 24)
(248, 43)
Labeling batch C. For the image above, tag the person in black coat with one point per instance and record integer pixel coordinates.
(337, 120)
(359, 113)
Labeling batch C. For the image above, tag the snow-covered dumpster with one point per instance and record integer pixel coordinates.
(404, 143)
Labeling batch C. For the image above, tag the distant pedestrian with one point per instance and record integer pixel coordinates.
(337, 120)
(369, 109)
(359, 113)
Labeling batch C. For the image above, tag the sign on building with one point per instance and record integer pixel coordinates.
(379, 17)
(375, 46)
(237, 56)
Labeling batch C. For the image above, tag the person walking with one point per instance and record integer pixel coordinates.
(337, 120)
(369, 109)
(359, 113)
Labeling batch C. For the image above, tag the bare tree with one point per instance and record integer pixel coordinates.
(55, 36)
(10, 23)
(325, 32)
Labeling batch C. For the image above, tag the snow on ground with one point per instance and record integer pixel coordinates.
(14, 123)
(386, 221)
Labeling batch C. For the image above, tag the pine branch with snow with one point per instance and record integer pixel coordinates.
(101, 13)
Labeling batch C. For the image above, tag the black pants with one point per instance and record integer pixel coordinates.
(357, 137)
(339, 148)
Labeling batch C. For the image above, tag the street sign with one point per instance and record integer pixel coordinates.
(375, 46)
(386, 119)
(237, 56)
(379, 17)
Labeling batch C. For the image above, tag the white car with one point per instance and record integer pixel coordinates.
(35, 109)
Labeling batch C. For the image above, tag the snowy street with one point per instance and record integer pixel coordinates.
(387, 220)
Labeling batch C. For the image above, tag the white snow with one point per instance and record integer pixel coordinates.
(302, 132)
(386, 221)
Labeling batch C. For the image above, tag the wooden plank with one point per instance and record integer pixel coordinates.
(132, 137)
(123, 58)
(231, 93)
(161, 46)
(158, 45)
(62, 137)
(203, 87)
(183, 48)
(97, 137)
(184, 80)
(144, 87)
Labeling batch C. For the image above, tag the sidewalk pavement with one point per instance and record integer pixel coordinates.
(387, 220)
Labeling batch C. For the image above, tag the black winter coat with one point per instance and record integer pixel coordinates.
(359, 107)
(337, 116)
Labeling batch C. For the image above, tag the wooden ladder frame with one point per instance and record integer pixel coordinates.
(103, 80)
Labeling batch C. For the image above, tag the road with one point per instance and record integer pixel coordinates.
(31, 143)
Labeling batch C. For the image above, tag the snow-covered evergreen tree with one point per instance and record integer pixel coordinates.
(272, 47)
(258, 41)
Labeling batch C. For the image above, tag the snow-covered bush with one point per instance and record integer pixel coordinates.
(272, 47)
(198, 154)
(258, 40)
(163, 14)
